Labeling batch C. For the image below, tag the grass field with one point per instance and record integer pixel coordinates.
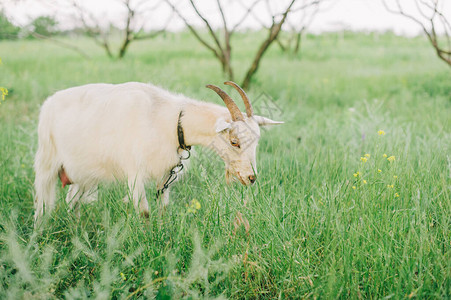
(340, 210)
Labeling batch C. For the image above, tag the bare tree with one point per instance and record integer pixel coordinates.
(136, 17)
(31, 28)
(297, 23)
(431, 19)
(222, 47)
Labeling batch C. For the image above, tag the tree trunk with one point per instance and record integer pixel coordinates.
(273, 34)
(255, 64)
(227, 60)
(282, 47)
(124, 47)
(298, 43)
(229, 72)
(107, 49)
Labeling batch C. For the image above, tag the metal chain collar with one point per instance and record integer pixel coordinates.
(179, 167)
(173, 173)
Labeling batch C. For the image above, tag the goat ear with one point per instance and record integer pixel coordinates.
(222, 125)
(262, 121)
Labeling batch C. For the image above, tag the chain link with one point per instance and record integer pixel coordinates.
(174, 171)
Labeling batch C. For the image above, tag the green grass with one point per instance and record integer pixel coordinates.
(310, 233)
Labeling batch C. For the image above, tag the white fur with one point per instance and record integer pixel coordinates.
(105, 132)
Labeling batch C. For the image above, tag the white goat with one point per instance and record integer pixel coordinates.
(135, 131)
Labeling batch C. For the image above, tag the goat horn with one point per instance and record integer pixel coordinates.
(247, 102)
(231, 105)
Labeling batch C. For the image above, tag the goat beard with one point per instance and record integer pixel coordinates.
(233, 177)
(228, 177)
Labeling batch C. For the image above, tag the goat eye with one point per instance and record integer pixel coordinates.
(235, 144)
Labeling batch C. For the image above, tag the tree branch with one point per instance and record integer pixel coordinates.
(273, 33)
(444, 54)
(210, 29)
(251, 12)
(246, 14)
(193, 30)
(60, 43)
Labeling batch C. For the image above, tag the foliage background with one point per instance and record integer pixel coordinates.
(310, 233)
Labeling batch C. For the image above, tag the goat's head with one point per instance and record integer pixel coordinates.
(236, 141)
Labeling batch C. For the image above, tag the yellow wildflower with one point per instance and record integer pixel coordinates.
(4, 92)
(197, 205)
(364, 181)
(390, 186)
(123, 277)
(381, 132)
(379, 170)
(194, 206)
(356, 174)
(395, 177)
(391, 158)
(353, 187)
(396, 195)
(367, 155)
(384, 155)
(364, 159)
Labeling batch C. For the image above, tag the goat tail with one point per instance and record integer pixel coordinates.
(46, 165)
